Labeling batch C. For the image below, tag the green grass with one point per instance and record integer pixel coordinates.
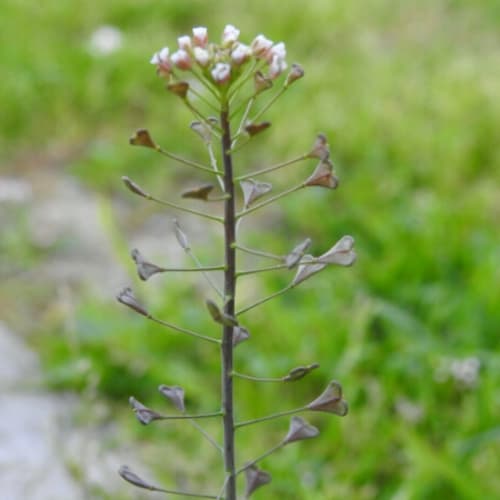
(409, 96)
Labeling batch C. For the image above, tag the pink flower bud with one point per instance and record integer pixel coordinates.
(201, 56)
(221, 73)
(261, 46)
(278, 50)
(200, 36)
(277, 66)
(230, 34)
(162, 62)
(184, 42)
(240, 54)
(181, 59)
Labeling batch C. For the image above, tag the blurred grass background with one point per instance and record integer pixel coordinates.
(408, 94)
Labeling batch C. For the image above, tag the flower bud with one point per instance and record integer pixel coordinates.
(300, 430)
(162, 61)
(200, 36)
(230, 35)
(175, 394)
(261, 46)
(142, 138)
(276, 67)
(240, 54)
(330, 400)
(296, 72)
(184, 43)
(201, 56)
(181, 59)
(255, 478)
(221, 73)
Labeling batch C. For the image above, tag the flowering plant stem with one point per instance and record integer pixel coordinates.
(229, 309)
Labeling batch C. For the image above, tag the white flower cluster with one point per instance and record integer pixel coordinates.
(220, 62)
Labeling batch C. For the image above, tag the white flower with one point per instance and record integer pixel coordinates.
(276, 67)
(184, 42)
(181, 59)
(261, 46)
(278, 50)
(221, 73)
(230, 34)
(200, 36)
(201, 56)
(162, 61)
(241, 53)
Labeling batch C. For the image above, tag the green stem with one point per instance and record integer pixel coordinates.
(205, 275)
(265, 299)
(185, 209)
(272, 168)
(183, 330)
(191, 269)
(260, 270)
(269, 103)
(258, 252)
(270, 200)
(206, 435)
(237, 425)
(185, 161)
(261, 457)
(257, 379)
(189, 417)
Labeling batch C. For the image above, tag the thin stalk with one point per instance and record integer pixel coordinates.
(185, 161)
(237, 425)
(185, 209)
(205, 275)
(265, 299)
(202, 98)
(260, 253)
(257, 379)
(229, 307)
(178, 492)
(220, 496)
(183, 330)
(261, 457)
(269, 103)
(201, 117)
(272, 168)
(206, 435)
(189, 417)
(213, 162)
(243, 120)
(270, 200)
(260, 270)
(190, 269)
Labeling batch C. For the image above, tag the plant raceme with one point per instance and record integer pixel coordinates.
(232, 79)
